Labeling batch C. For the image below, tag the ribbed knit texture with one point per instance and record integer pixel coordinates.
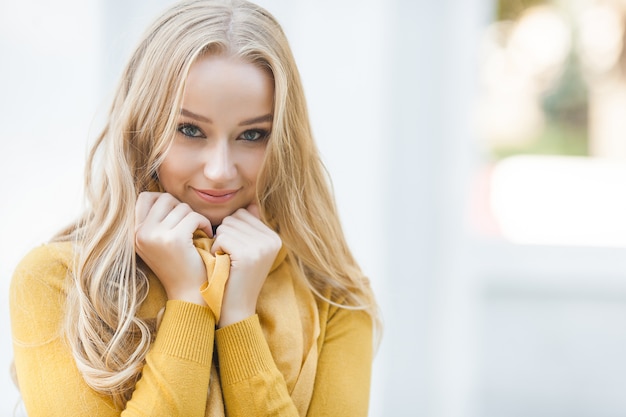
(243, 351)
(177, 341)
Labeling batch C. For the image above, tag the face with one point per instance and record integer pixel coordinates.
(223, 129)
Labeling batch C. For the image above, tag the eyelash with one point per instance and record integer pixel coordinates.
(262, 133)
(185, 126)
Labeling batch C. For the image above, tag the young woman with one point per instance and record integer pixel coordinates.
(209, 275)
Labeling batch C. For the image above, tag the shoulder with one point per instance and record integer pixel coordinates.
(47, 265)
(345, 334)
(335, 316)
(38, 292)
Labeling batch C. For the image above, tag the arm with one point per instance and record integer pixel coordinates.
(178, 365)
(253, 385)
(175, 377)
(342, 383)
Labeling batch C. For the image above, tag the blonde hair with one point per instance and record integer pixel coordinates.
(108, 339)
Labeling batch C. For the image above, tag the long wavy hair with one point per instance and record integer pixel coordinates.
(108, 339)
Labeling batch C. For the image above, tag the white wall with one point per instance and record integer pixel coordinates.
(48, 94)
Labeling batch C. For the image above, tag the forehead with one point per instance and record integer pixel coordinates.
(218, 84)
(227, 68)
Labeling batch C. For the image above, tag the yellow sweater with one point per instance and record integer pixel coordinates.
(255, 377)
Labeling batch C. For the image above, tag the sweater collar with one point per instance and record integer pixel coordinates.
(280, 257)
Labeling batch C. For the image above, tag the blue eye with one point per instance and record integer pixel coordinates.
(254, 135)
(190, 130)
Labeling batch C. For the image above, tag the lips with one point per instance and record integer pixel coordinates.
(217, 193)
(216, 196)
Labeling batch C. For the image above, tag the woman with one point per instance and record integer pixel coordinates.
(209, 275)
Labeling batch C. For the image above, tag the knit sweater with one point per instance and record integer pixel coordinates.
(255, 375)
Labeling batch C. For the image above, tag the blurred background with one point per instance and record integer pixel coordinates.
(478, 154)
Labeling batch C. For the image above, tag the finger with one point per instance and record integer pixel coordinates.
(176, 215)
(205, 225)
(145, 201)
(164, 204)
(239, 230)
(249, 218)
(195, 221)
(226, 242)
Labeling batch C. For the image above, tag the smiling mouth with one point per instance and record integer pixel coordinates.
(218, 193)
(216, 196)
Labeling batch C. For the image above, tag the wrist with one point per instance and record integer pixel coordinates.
(232, 316)
(190, 296)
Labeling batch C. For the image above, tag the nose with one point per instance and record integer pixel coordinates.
(219, 164)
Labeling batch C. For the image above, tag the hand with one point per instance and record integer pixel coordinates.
(164, 230)
(252, 247)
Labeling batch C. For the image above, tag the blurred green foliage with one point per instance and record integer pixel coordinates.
(512, 9)
(565, 104)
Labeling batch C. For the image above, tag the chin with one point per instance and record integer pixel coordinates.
(217, 218)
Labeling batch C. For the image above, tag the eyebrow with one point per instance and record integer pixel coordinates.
(261, 119)
(187, 113)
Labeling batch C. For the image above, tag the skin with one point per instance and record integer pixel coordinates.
(209, 177)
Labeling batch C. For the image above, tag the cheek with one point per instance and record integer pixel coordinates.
(177, 165)
(253, 164)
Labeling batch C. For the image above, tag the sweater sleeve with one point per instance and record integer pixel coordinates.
(175, 376)
(253, 385)
(342, 383)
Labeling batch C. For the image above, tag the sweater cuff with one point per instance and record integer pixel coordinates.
(243, 351)
(186, 332)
